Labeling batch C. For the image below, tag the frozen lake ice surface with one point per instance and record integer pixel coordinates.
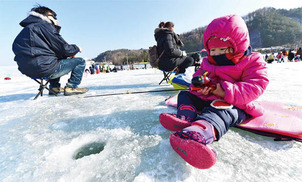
(119, 138)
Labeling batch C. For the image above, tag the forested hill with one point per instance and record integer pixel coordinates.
(123, 56)
(268, 27)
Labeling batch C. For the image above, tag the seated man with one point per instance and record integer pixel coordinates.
(40, 51)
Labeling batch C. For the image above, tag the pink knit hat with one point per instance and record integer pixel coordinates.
(219, 42)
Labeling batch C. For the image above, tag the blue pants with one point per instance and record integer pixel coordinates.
(221, 119)
(75, 65)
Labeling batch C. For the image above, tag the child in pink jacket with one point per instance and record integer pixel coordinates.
(236, 78)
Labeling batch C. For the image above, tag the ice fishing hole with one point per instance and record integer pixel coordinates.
(89, 149)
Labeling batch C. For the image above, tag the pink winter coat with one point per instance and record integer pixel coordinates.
(243, 82)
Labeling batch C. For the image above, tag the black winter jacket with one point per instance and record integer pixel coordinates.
(169, 42)
(39, 47)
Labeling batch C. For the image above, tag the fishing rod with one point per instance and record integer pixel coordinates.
(127, 93)
(193, 52)
(198, 82)
(196, 51)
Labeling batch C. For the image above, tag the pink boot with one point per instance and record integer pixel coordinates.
(192, 144)
(185, 115)
(172, 122)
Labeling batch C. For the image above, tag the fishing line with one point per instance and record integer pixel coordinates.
(128, 93)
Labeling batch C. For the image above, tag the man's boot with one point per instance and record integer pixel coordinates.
(74, 91)
(55, 90)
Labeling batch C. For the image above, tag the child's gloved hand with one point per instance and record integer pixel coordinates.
(202, 84)
(219, 91)
(204, 90)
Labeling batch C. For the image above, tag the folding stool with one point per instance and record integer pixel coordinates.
(42, 86)
(167, 75)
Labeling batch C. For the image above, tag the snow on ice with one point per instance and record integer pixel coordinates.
(119, 138)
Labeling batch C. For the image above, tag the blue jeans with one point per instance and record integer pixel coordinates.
(75, 65)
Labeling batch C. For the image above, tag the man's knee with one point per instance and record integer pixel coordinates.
(79, 61)
(82, 61)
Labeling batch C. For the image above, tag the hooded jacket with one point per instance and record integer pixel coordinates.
(170, 43)
(39, 47)
(246, 80)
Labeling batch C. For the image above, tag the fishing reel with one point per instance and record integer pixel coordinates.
(201, 82)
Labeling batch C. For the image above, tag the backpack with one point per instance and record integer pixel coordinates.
(153, 56)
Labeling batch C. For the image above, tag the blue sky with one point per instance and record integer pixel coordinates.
(101, 25)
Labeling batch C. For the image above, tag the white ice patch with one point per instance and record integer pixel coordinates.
(39, 139)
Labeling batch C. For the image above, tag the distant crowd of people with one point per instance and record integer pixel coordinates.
(284, 56)
(97, 68)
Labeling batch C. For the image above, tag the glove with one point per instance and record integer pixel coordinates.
(183, 53)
